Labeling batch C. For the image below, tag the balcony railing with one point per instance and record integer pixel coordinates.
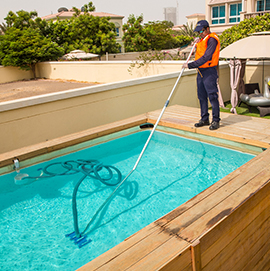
(254, 14)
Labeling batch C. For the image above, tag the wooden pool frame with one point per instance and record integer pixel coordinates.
(225, 227)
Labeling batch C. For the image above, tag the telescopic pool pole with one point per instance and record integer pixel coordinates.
(164, 108)
(147, 142)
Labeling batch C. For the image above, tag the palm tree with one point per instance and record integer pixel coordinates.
(188, 30)
(3, 28)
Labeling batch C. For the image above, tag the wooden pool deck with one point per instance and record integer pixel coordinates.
(226, 227)
(241, 129)
(238, 128)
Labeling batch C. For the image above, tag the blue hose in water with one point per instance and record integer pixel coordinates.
(89, 168)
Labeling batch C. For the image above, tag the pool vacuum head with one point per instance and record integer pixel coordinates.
(80, 241)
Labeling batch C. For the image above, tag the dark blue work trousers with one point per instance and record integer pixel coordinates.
(207, 89)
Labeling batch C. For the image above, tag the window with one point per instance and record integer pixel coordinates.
(218, 15)
(117, 31)
(263, 5)
(235, 10)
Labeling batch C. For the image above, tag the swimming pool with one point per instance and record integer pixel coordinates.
(35, 217)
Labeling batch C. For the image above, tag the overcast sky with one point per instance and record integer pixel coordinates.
(152, 10)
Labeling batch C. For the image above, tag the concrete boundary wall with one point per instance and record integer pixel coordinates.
(10, 74)
(29, 121)
(104, 71)
(115, 71)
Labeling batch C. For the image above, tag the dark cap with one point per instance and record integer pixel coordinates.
(200, 25)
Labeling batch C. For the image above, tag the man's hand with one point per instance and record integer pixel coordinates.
(185, 66)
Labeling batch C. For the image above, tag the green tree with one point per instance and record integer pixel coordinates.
(21, 20)
(159, 35)
(89, 7)
(37, 40)
(245, 28)
(85, 32)
(134, 35)
(25, 48)
(156, 35)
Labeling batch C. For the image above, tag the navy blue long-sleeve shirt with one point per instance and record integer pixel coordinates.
(211, 47)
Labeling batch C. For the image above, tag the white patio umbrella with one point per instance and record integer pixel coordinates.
(252, 47)
(79, 54)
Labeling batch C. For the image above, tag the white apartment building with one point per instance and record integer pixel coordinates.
(223, 14)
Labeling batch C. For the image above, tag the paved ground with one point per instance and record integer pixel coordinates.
(28, 88)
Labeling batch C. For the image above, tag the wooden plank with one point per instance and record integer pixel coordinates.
(171, 255)
(221, 235)
(183, 212)
(216, 207)
(240, 248)
(69, 140)
(258, 262)
(180, 224)
(233, 127)
(127, 244)
(252, 246)
(158, 241)
(181, 263)
(196, 256)
(259, 160)
(238, 128)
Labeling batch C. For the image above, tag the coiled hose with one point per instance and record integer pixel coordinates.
(89, 168)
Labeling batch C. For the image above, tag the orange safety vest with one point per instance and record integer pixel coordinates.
(201, 48)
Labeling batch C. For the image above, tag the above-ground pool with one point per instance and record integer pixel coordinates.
(36, 215)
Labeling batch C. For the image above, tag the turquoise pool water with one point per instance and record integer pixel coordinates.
(35, 217)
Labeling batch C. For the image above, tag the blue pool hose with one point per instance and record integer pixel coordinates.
(89, 168)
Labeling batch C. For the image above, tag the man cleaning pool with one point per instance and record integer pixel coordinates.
(206, 61)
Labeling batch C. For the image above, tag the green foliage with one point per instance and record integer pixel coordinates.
(23, 44)
(152, 39)
(244, 29)
(159, 35)
(24, 48)
(50, 40)
(181, 41)
(150, 36)
(21, 20)
(85, 32)
(134, 35)
(187, 30)
(89, 7)
(243, 110)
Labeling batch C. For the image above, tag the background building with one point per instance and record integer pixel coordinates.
(194, 18)
(223, 14)
(170, 14)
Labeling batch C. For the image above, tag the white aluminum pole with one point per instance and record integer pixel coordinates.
(147, 142)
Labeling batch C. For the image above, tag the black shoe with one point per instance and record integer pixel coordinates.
(202, 123)
(214, 125)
